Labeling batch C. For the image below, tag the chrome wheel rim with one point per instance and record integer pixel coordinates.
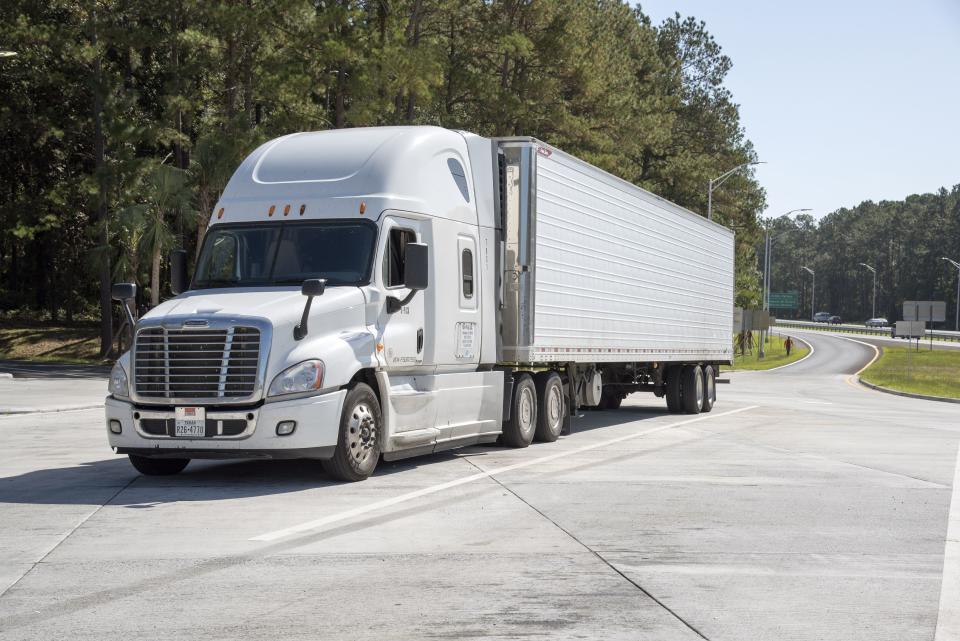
(362, 433)
(525, 410)
(554, 407)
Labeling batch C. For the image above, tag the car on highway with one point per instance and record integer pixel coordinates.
(835, 320)
(821, 317)
(876, 322)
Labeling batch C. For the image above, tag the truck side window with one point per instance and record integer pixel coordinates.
(466, 270)
(395, 256)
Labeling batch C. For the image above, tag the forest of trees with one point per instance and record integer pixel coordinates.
(904, 241)
(121, 122)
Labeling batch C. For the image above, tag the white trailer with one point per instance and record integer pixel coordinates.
(403, 290)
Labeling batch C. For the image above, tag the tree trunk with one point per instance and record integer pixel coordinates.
(99, 158)
(155, 277)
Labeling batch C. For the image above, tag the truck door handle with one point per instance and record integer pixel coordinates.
(419, 340)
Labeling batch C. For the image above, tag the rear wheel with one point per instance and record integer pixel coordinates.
(550, 409)
(519, 430)
(692, 391)
(158, 466)
(358, 444)
(709, 388)
(674, 389)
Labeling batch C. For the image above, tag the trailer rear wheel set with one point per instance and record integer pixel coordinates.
(691, 389)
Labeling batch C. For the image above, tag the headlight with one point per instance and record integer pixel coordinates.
(302, 377)
(118, 381)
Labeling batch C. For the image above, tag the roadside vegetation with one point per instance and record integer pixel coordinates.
(775, 353)
(76, 344)
(934, 373)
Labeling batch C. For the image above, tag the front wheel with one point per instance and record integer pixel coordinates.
(358, 444)
(519, 430)
(158, 466)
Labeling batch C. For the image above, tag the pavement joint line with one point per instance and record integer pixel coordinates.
(433, 489)
(32, 410)
(948, 617)
(599, 556)
(63, 538)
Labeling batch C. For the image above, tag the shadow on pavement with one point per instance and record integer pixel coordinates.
(115, 481)
(29, 369)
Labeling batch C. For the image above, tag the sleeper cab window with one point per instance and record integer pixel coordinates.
(459, 177)
(466, 271)
(394, 258)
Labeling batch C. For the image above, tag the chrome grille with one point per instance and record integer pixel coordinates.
(195, 363)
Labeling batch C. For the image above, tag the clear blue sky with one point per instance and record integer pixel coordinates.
(847, 100)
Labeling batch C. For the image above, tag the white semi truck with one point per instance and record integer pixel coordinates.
(395, 291)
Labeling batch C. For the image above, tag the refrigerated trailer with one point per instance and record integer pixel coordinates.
(394, 291)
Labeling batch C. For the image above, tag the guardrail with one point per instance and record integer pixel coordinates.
(938, 334)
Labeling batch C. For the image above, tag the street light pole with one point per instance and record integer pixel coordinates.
(768, 247)
(957, 318)
(813, 292)
(874, 288)
(719, 180)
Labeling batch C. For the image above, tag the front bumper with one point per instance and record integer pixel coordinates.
(318, 427)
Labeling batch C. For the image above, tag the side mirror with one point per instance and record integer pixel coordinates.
(416, 274)
(178, 271)
(125, 293)
(416, 267)
(310, 288)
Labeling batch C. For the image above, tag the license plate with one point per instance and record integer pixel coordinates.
(190, 421)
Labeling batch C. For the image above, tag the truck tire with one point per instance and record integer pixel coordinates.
(358, 444)
(674, 389)
(709, 388)
(158, 466)
(550, 406)
(692, 389)
(519, 430)
(610, 399)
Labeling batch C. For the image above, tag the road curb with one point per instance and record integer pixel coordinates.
(37, 410)
(924, 397)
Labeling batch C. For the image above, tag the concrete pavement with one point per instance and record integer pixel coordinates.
(817, 511)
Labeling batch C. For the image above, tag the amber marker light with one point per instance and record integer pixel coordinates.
(303, 208)
(286, 210)
(220, 214)
(273, 208)
(363, 207)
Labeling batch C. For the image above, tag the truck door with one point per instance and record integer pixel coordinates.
(403, 332)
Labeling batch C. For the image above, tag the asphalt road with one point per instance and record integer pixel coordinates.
(804, 507)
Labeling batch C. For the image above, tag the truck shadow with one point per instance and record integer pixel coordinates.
(113, 481)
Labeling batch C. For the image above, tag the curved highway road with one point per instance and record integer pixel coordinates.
(805, 506)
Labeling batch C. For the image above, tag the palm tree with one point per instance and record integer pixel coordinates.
(167, 196)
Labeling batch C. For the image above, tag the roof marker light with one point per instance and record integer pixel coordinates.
(286, 210)
(220, 214)
(363, 207)
(303, 208)
(272, 209)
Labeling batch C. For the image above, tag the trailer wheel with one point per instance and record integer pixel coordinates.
(358, 444)
(692, 389)
(519, 430)
(158, 466)
(550, 406)
(610, 399)
(674, 389)
(709, 388)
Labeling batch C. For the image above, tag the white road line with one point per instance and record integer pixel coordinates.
(948, 620)
(409, 496)
(809, 354)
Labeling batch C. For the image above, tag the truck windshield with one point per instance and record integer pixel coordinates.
(286, 254)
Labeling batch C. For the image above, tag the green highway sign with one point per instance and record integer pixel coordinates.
(785, 300)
